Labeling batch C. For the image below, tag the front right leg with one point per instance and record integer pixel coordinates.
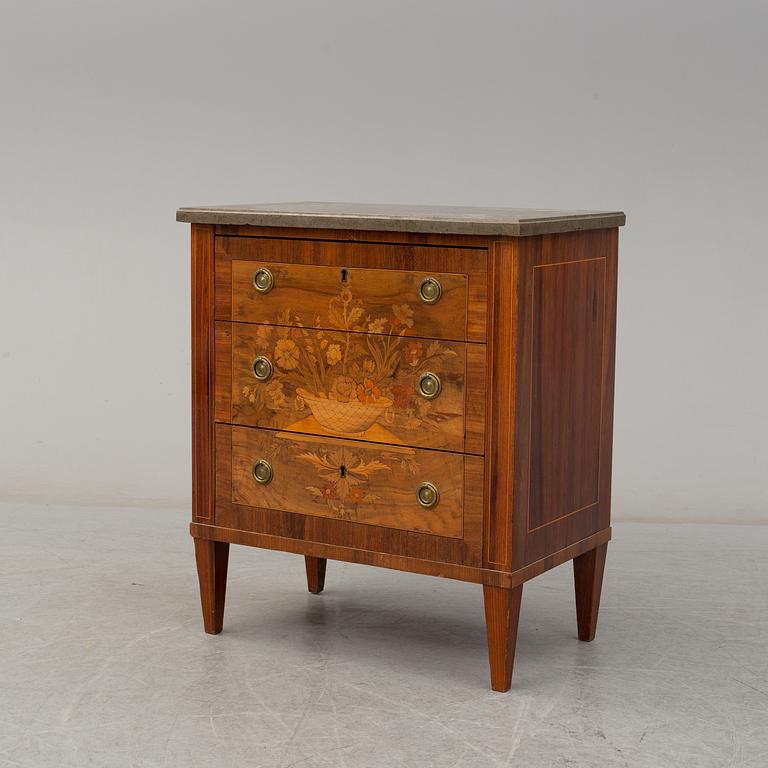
(502, 611)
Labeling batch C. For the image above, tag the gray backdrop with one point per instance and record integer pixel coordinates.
(114, 113)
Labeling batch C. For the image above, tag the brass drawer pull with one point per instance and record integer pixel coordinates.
(263, 280)
(262, 368)
(262, 472)
(430, 290)
(427, 495)
(430, 385)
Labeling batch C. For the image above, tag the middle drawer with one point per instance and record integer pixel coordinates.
(373, 387)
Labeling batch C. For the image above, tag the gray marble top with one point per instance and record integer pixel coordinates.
(404, 218)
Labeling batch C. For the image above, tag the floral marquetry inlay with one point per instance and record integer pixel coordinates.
(359, 378)
(348, 480)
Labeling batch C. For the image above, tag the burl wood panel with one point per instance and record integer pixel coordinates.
(202, 372)
(565, 291)
(373, 300)
(348, 480)
(353, 385)
(382, 280)
(341, 539)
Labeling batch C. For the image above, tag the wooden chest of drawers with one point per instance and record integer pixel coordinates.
(423, 389)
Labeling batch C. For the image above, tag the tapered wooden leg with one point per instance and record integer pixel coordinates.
(212, 558)
(502, 611)
(588, 578)
(315, 573)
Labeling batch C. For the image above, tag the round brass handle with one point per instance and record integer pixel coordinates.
(263, 280)
(262, 472)
(427, 495)
(430, 385)
(262, 368)
(430, 290)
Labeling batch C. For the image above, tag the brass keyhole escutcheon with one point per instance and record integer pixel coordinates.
(430, 290)
(263, 280)
(262, 368)
(430, 385)
(262, 472)
(427, 495)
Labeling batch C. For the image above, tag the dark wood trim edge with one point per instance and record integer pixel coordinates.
(351, 555)
(400, 562)
(202, 372)
(395, 237)
(561, 556)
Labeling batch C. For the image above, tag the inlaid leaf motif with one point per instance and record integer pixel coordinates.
(366, 469)
(345, 476)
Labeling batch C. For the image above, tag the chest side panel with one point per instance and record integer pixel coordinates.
(566, 295)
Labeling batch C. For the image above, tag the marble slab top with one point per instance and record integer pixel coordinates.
(457, 220)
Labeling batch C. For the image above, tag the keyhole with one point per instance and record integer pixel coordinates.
(343, 275)
(342, 471)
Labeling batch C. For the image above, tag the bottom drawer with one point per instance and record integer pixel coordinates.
(392, 486)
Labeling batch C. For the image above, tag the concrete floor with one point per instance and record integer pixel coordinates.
(103, 661)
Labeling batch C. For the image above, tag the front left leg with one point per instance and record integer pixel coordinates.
(212, 558)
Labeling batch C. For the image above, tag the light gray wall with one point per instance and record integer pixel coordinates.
(113, 113)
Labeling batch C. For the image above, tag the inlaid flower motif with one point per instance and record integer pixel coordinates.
(368, 392)
(412, 353)
(287, 354)
(263, 337)
(275, 396)
(403, 315)
(357, 369)
(343, 389)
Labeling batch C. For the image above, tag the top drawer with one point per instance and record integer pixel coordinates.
(424, 291)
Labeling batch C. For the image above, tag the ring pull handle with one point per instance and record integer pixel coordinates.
(262, 368)
(427, 495)
(263, 280)
(262, 472)
(430, 385)
(430, 290)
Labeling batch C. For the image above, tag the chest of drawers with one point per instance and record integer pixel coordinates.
(424, 389)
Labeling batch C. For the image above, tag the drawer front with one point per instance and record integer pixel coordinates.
(362, 300)
(384, 389)
(349, 480)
